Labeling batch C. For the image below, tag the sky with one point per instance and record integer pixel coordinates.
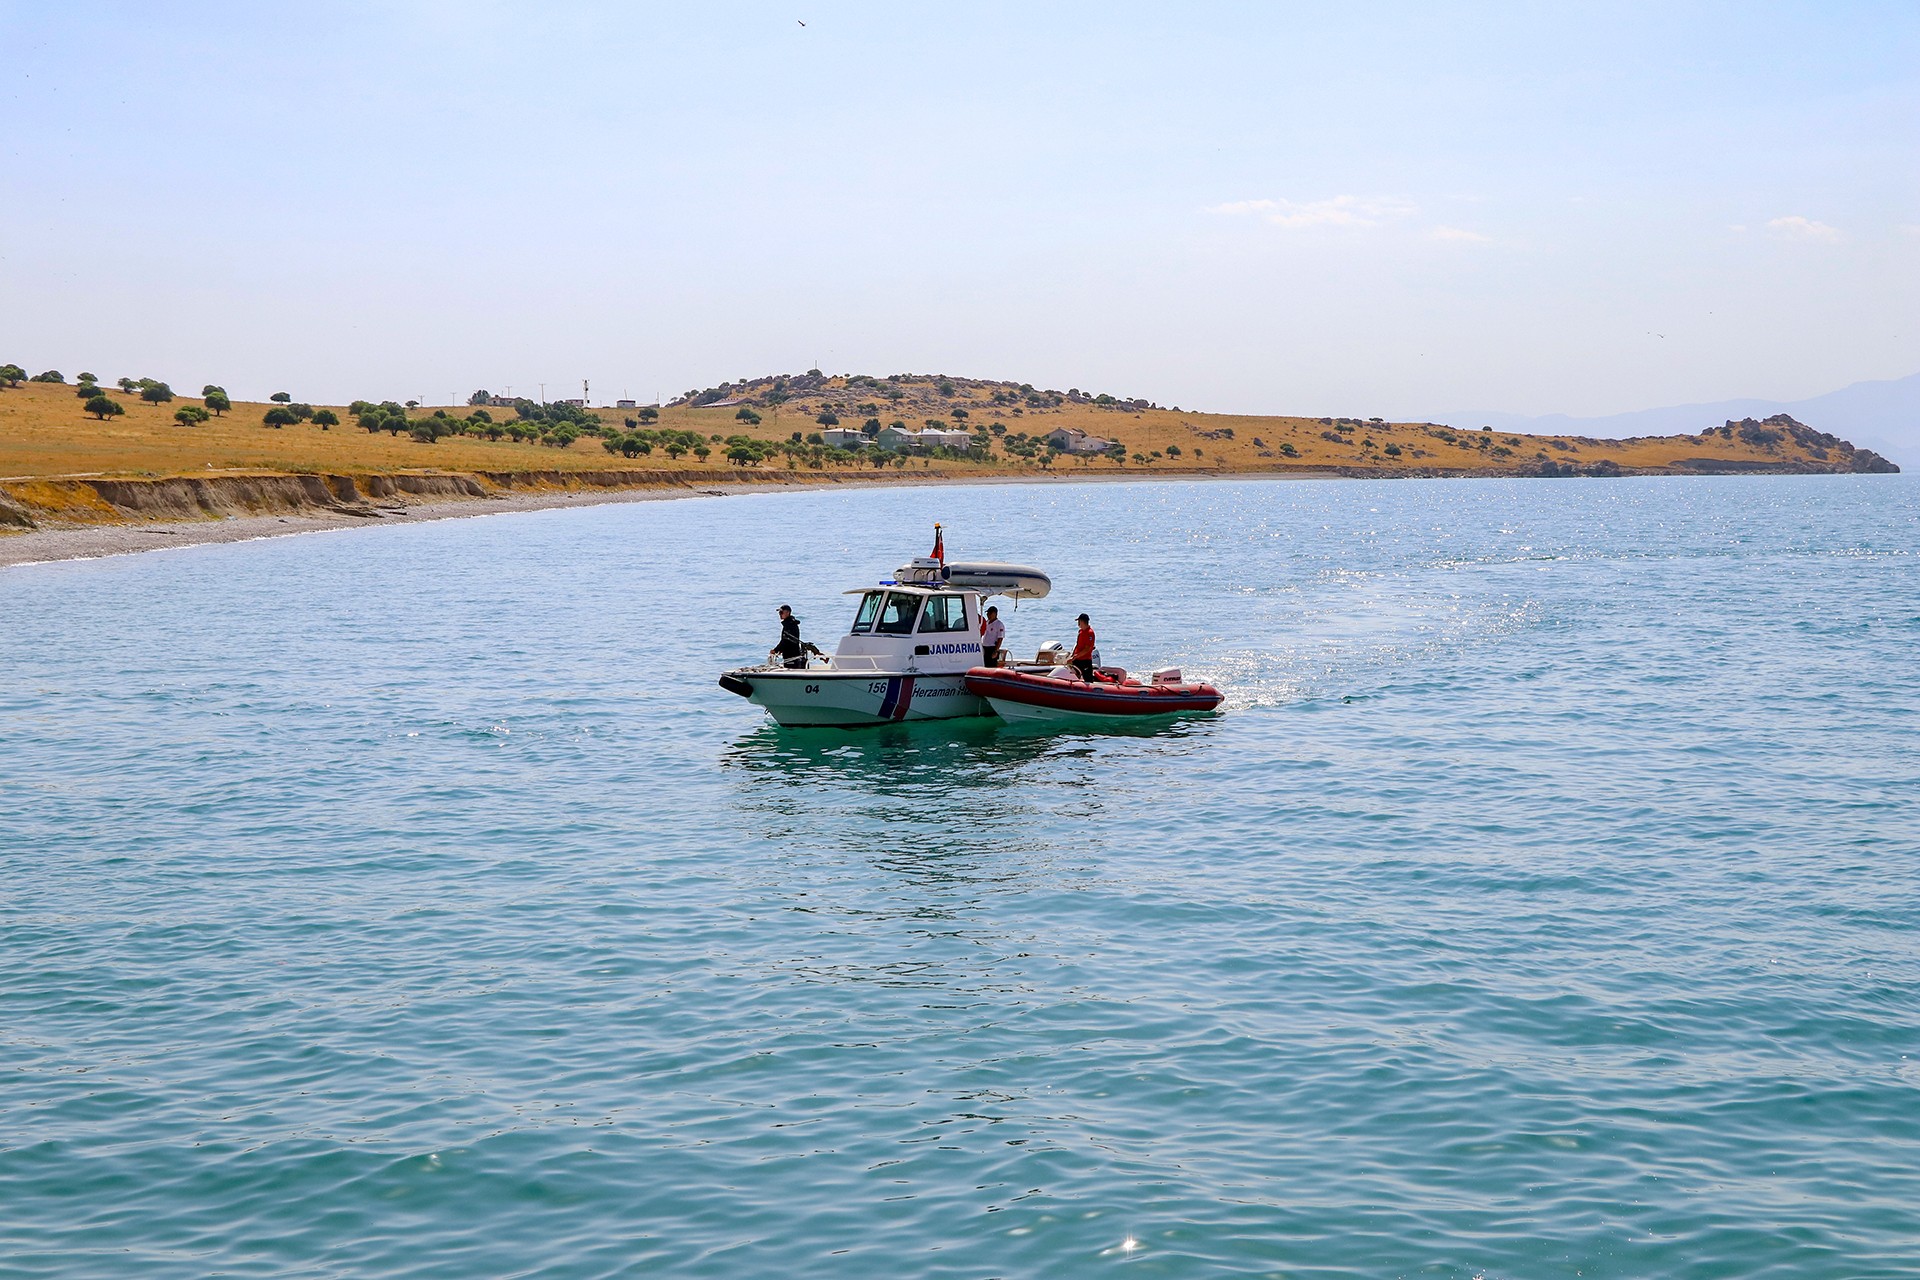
(1351, 208)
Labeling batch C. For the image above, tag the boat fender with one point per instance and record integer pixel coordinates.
(734, 684)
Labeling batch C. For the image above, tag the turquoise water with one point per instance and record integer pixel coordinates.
(410, 902)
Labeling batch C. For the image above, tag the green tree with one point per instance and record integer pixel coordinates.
(480, 397)
(481, 415)
(281, 397)
(701, 452)
(128, 385)
(156, 393)
(103, 408)
(87, 377)
(51, 375)
(211, 389)
(301, 411)
(12, 374)
(326, 419)
(217, 401)
(279, 416)
(649, 414)
(190, 415)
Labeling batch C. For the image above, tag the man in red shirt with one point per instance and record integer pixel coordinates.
(1082, 659)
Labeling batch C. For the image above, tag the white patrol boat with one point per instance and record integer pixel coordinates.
(914, 636)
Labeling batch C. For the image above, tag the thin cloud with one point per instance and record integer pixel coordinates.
(1340, 211)
(1460, 235)
(1804, 229)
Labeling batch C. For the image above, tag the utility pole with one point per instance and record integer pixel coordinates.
(543, 393)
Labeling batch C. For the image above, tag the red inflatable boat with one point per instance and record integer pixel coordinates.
(1059, 695)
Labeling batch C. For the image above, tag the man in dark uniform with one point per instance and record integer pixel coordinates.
(790, 651)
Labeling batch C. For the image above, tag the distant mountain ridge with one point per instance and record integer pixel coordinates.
(1882, 416)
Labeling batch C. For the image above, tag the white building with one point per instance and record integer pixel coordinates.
(958, 440)
(1074, 440)
(844, 437)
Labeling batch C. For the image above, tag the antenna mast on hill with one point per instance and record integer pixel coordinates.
(586, 397)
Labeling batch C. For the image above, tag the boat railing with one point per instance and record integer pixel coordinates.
(858, 662)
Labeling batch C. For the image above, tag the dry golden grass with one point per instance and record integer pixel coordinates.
(44, 432)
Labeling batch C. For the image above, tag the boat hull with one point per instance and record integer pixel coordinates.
(849, 699)
(1050, 700)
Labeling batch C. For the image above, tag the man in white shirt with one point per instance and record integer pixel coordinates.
(993, 635)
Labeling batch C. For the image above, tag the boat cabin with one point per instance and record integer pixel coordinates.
(902, 627)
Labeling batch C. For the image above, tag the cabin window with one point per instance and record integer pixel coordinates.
(869, 609)
(896, 619)
(945, 613)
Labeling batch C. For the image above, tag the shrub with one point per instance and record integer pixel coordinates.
(103, 408)
(1173, 451)
(480, 415)
(51, 375)
(279, 416)
(156, 392)
(1393, 451)
(190, 415)
(281, 397)
(326, 418)
(1287, 450)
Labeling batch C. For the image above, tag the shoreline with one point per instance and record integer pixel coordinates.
(53, 545)
(103, 541)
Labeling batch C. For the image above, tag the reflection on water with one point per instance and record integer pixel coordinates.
(961, 755)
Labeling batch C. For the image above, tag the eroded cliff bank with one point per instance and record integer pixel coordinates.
(85, 500)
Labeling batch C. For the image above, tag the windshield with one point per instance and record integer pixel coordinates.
(869, 606)
(945, 613)
(896, 619)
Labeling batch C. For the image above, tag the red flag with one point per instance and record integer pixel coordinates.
(939, 545)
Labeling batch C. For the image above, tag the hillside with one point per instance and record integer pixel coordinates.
(770, 426)
(1883, 416)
